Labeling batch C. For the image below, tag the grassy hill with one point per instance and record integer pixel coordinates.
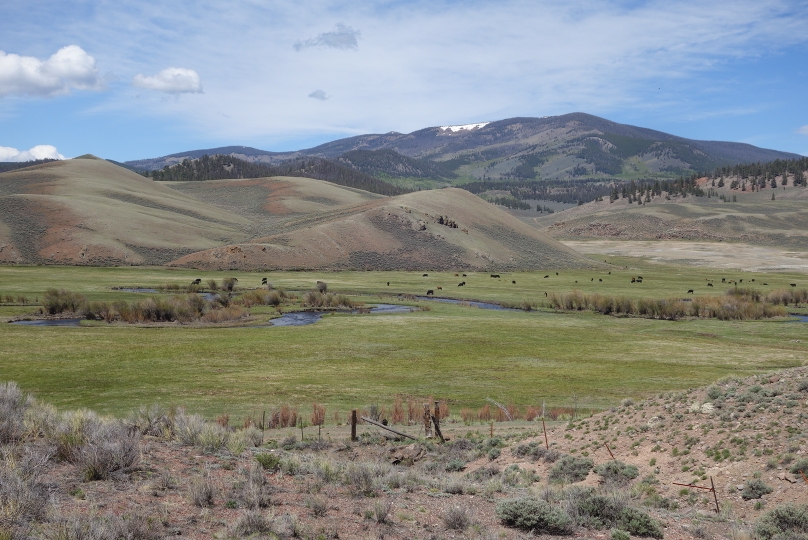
(438, 230)
(89, 211)
(771, 216)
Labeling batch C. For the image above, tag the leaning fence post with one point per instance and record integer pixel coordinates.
(717, 511)
(544, 427)
(353, 425)
(427, 422)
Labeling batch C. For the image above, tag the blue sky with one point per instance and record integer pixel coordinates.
(129, 80)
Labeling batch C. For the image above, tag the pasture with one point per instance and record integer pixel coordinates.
(456, 352)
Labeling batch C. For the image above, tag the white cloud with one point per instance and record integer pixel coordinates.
(319, 94)
(803, 130)
(40, 151)
(172, 81)
(70, 67)
(343, 37)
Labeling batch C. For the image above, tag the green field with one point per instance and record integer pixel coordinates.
(456, 352)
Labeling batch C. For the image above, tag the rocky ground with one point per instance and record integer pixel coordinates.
(74, 475)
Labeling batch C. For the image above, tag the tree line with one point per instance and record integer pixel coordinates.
(221, 167)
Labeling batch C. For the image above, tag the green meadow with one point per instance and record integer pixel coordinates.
(454, 352)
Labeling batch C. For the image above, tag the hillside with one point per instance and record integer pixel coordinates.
(403, 232)
(556, 147)
(89, 211)
(768, 216)
(158, 473)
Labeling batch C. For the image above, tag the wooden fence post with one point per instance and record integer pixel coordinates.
(427, 422)
(353, 425)
(544, 427)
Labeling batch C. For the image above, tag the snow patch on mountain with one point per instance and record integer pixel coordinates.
(469, 127)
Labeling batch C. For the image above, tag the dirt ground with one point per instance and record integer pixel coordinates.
(746, 257)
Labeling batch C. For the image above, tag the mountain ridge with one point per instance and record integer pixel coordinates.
(570, 145)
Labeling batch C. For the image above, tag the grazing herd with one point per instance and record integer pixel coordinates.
(636, 279)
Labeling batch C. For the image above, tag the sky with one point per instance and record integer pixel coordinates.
(129, 80)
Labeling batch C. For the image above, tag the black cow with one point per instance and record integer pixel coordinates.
(793, 284)
(600, 280)
(723, 280)
(497, 276)
(690, 291)
(197, 281)
(513, 282)
(639, 277)
(464, 275)
(556, 273)
(740, 280)
(545, 295)
(430, 292)
(765, 283)
(461, 284)
(263, 281)
(591, 279)
(633, 280)
(425, 275)
(545, 277)
(709, 284)
(388, 283)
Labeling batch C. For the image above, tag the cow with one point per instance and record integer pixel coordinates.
(425, 275)
(591, 279)
(457, 275)
(765, 284)
(545, 277)
(741, 281)
(600, 280)
(440, 288)
(690, 291)
(263, 281)
(513, 282)
(430, 292)
(723, 280)
(464, 275)
(753, 280)
(497, 276)
(610, 272)
(461, 284)
(709, 284)
(793, 284)
(633, 280)
(639, 277)
(639, 280)
(198, 281)
(545, 294)
(556, 273)
(388, 283)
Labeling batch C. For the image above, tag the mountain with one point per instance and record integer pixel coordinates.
(573, 145)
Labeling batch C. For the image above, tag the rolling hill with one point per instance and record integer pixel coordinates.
(575, 145)
(90, 211)
(770, 216)
(430, 230)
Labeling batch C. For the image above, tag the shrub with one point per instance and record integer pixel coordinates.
(617, 472)
(255, 490)
(317, 505)
(150, 421)
(213, 438)
(617, 534)
(360, 477)
(269, 462)
(803, 385)
(600, 511)
(201, 492)
(536, 451)
(800, 467)
(570, 469)
(60, 301)
(457, 518)
(187, 427)
(381, 510)
(250, 523)
(783, 520)
(108, 449)
(22, 501)
(755, 489)
(532, 514)
(13, 404)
